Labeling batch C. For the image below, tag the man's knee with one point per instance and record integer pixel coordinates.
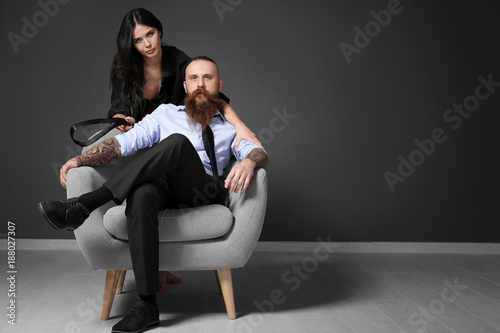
(176, 139)
(142, 196)
(144, 190)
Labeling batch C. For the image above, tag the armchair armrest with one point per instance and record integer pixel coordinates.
(249, 209)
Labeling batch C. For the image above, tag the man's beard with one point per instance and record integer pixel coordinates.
(201, 111)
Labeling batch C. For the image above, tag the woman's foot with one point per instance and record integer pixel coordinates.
(167, 277)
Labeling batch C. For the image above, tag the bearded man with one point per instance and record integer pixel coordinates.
(169, 175)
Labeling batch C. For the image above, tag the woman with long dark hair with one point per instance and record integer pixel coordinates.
(146, 73)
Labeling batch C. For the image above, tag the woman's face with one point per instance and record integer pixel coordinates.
(146, 40)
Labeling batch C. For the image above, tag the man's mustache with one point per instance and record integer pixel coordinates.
(204, 92)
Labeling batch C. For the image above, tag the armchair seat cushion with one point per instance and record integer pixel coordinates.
(177, 225)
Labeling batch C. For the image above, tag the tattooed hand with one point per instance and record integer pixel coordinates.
(105, 152)
(72, 163)
(241, 174)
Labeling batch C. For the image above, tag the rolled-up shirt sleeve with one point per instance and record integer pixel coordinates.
(144, 134)
(244, 148)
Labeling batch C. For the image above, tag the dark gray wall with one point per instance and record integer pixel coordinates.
(332, 128)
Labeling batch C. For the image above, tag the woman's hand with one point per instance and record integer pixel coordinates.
(130, 120)
(243, 133)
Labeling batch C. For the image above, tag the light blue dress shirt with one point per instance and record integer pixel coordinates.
(168, 119)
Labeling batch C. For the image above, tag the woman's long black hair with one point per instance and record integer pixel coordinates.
(128, 64)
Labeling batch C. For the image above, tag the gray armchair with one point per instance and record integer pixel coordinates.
(212, 237)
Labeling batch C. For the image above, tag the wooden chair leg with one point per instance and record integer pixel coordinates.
(218, 282)
(112, 277)
(121, 280)
(226, 283)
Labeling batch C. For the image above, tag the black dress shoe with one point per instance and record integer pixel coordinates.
(140, 317)
(64, 214)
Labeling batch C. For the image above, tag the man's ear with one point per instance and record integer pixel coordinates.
(185, 88)
(221, 84)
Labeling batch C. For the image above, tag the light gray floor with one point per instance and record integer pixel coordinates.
(56, 291)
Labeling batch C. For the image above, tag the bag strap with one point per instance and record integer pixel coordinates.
(113, 122)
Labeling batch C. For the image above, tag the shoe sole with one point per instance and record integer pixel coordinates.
(148, 325)
(42, 211)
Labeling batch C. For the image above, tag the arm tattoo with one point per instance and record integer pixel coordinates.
(105, 152)
(259, 157)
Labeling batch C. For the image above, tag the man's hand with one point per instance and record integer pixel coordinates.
(70, 164)
(240, 176)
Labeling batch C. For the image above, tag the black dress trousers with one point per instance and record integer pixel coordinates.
(169, 175)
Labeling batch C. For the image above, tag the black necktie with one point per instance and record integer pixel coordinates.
(208, 142)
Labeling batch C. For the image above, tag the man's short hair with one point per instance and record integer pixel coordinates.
(202, 58)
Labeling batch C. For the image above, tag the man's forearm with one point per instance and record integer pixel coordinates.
(259, 157)
(105, 152)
